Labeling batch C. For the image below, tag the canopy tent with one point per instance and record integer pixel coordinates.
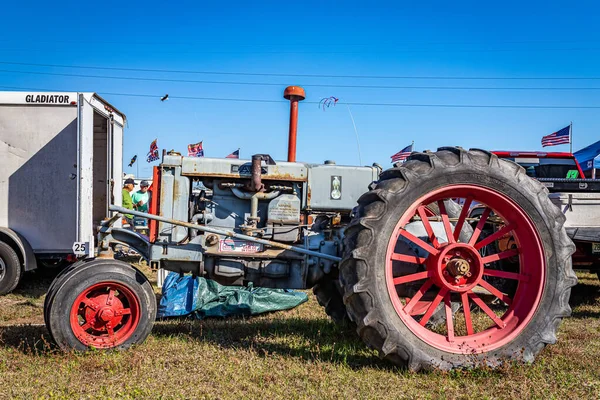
(589, 157)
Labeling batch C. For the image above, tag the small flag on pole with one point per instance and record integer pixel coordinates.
(402, 154)
(153, 153)
(559, 137)
(235, 154)
(195, 150)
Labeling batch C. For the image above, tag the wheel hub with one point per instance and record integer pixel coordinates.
(458, 267)
(106, 314)
(2, 269)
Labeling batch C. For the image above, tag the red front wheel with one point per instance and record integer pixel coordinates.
(102, 304)
(502, 287)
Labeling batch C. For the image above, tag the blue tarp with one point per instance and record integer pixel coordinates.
(588, 157)
(202, 298)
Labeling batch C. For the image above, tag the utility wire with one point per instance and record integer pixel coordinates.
(320, 44)
(285, 50)
(157, 96)
(297, 75)
(135, 78)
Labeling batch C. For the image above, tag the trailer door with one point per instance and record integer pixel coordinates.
(86, 180)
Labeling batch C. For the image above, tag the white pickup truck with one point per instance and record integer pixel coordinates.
(577, 197)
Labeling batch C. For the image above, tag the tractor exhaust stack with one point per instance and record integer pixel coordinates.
(294, 94)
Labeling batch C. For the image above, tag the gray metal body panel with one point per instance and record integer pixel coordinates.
(235, 168)
(38, 170)
(337, 187)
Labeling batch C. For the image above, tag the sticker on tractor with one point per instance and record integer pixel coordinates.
(595, 248)
(239, 246)
(80, 248)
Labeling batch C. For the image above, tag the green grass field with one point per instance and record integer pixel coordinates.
(294, 354)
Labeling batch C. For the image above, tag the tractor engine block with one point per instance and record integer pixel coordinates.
(304, 205)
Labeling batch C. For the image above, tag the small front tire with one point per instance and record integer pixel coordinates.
(103, 305)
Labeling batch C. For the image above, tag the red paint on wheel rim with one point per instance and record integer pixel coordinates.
(105, 315)
(454, 271)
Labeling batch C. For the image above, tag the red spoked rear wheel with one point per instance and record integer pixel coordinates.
(483, 279)
(105, 315)
(455, 271)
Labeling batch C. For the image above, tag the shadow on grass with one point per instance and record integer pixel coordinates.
(35, 283)
(310, 340)
(28, 339)
(585, 294)
(314, 339)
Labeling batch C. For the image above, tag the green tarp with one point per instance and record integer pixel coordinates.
(201, 298)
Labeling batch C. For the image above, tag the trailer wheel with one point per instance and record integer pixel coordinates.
(103, 304)
(10, 269)
(491, 327)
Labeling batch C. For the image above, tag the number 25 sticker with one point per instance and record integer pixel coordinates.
(80, 248)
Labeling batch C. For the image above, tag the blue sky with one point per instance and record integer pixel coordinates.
(460, 39)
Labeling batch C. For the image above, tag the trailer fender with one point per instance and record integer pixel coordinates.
(133, 240)
(21, 246)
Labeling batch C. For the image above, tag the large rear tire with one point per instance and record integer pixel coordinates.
(102, 304)
(10, 269)
(392, 317)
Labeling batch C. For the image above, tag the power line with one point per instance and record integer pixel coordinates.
(296, 75)
(135, 78)
(500, 106)
(320, 44)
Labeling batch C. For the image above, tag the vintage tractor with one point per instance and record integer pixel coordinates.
(395, 253)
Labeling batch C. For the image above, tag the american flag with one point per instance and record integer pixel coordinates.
(559, 137)
(195, 150)
(402, 154)
(235, 154)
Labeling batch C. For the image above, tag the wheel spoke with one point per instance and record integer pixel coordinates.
(506, 275)
(446, 221)
(413, 302)
(86, 326)
(449, 322)
(408, 258)
(89, 303)
(428, 228)
(486, 310)
(462, 217)
(495, 236)
(433, 306)
(110, 330)
(111, 297)
(487, 286)
(480, 225)
(467, 311)
(500, 256)
(428, 248)
(411, 277)
(126, 311)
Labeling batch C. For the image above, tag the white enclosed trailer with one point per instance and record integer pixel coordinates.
(60, 167)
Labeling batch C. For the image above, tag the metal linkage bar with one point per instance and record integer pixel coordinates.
(225, 233)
